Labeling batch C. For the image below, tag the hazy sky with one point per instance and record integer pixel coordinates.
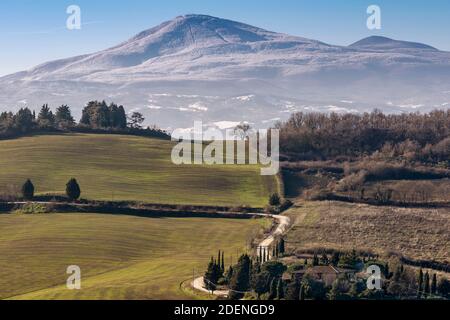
(32, 32)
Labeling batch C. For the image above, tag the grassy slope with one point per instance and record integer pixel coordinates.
(416, 233)
(126, 168)
(121, 257)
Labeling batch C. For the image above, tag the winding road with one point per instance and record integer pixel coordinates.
(283, 225)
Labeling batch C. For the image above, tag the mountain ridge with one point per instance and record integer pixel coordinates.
(200, 67)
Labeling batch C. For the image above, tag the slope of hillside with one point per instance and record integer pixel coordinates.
(114, 167)
(421, 234)
(124, 257)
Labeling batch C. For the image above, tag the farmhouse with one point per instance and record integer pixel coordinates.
(327, 274)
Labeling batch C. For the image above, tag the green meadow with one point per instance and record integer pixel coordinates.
(120, 167)
(121, 257)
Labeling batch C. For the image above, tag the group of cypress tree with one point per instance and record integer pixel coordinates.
(278, 250)
(426, 288)
(215, 271)
(73, 190)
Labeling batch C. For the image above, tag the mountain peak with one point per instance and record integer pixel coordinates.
(385, 43)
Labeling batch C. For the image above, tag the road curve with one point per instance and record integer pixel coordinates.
(283, 225)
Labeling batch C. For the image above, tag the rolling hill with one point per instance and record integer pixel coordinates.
(120, 167)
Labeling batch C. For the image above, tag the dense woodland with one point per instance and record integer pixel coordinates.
(412, 136)
(96, 117)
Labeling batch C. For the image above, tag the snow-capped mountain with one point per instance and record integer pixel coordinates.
(221, 71)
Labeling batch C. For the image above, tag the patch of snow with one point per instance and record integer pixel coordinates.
(245, 98)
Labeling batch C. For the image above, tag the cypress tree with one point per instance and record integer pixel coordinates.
(280, 289)
(273, 289)
(434, 284)
(28, 190)
(335, 258)
(281, 248)
(301, 295)
(73, 191)
(420, 284)
(426, 284)
(315, 260)
(240, 281)
(223, 262)
(274, 200)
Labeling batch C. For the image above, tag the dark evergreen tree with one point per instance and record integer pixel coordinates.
(280, 289)
(420, 286)
(301, 295)
(434, 285)
(63, 117)
(275, 200)
(335, 258)
(240, 282)
(293, 290)
(46, 119)
(259, 283)
(273, 289)
(281, 246)
(443, 288)
(324, 259)
(211, 276)
(426, 287)
(73, 190)
(315, 260)
(28, 190)
(23, 120)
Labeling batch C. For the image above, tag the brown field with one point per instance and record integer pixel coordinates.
(414, 233)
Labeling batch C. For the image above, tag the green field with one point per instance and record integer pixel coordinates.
(121, 257)
(118, 167)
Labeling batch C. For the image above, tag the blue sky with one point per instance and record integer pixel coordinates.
(32, 32)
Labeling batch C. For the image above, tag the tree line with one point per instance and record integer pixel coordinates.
(416, 136)
(96, 115)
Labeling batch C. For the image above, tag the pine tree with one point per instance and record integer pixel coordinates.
(223, 262)
(73, 191)
(63, 117)
(46, 119)
(28, 190)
